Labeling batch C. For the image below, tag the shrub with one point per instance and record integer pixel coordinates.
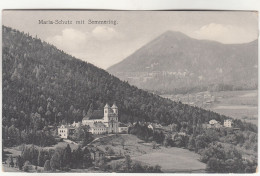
(27, 166)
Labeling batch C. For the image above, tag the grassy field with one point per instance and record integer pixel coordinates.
(238, 104)
(170, 159)
(173, 160)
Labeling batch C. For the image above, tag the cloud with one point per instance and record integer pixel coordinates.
(225, 33)
(105, 33)
(94, 46)
(70, 40)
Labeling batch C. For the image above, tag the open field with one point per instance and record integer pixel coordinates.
(236, 104)
(170, 159)
(5, 168)
(173, 160)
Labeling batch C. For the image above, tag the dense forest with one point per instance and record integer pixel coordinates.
(44, 86)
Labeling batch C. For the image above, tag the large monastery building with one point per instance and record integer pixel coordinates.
(100, 122)
(105, 121)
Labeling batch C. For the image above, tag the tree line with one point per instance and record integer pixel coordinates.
(59, 159)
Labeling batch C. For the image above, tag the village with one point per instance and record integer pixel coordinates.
(201, 99)
(100, 124)
(114, 140)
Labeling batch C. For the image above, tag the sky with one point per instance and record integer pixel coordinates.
(107, 44)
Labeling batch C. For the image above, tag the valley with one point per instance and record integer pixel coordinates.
(237, 104)
(46, 92)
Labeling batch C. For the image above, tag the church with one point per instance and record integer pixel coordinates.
(102, 122)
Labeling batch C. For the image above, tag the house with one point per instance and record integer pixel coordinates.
(129, 125)
(158, 125)
(122, 128)
(108, 117)
(228, 123)
(213, 122)
(182, 134)
(78, 124)
(64, 131)
(151, 126)
(96, 153)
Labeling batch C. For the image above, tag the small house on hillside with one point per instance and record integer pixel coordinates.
(64, 131)
(96, 153)
(78, 124)
(228, 123)
(129, 124)
(122, 128)
(213, 122)
(151, 126)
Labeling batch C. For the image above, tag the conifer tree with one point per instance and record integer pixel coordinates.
(41, 158)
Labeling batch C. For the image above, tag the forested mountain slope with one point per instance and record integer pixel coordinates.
(41, 82)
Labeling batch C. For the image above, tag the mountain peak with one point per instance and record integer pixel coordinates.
(188, 62)
(171, 35)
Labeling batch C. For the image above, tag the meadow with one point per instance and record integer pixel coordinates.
(241, 105)
(170, 159)
(237, 104)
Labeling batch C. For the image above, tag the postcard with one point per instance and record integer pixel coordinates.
(103, 91)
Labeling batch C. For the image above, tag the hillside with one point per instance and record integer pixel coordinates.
(174, 160)
(174, 62)
(42, 83)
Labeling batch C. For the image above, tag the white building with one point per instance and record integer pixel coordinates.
(64, 131)
(100, 122)
(122, 128)
(98, 128)
(78, 124)
(213, 122)
(151, 126)
(228, 123)
(109, 119)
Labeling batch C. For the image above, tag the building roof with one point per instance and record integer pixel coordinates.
(122, 125)
(66, 126)
(97, 125)
(107, 106)
(114, 106)
(96, 114)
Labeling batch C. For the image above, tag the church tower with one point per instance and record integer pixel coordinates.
(106, 113)
(115, 109)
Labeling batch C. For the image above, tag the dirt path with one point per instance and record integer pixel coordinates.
(100, 138)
